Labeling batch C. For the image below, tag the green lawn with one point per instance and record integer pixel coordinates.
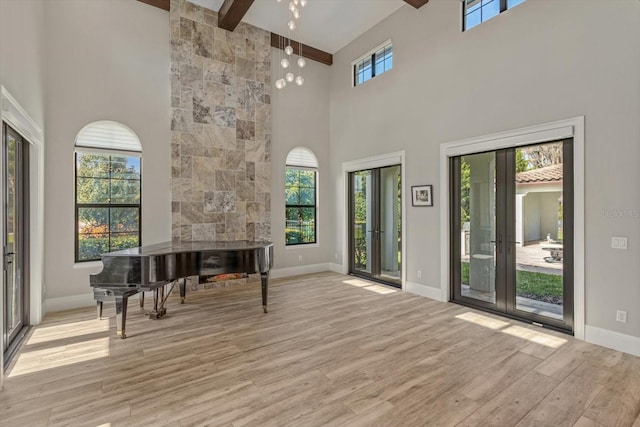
(530, 283)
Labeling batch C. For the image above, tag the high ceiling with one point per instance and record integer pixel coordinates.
(327, 25)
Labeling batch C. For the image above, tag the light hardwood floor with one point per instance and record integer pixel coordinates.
(333, 350)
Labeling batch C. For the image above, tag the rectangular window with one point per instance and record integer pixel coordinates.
(108, 203)
(300, 194)
(372, 64)
(476, 12)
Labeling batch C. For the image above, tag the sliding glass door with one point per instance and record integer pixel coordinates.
(375, 226)
(512, 240)
(15, 214)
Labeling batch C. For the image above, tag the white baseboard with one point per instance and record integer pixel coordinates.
(337, 268)
(615, 340)
(68, 303)
(277, 273)
(423, 290)
(75, 301)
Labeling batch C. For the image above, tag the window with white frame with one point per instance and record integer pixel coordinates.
(301, 197)
(108, 187)
(476, 12)
(372, 64)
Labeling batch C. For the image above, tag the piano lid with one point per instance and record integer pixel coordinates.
(174, 247)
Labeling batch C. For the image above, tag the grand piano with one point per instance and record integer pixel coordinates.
(154, 267)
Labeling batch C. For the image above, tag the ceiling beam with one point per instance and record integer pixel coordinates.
(307, 51)
(162, 4)
(417, 3)
(231, 13)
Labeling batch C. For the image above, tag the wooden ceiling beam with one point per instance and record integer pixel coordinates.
(231, 13)
(307, 51)
(417, 3)
(162, 4)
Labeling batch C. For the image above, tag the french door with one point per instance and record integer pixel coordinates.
(375, 224)
(15, 158)
(512, 232)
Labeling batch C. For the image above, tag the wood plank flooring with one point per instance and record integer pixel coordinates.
(333, 350)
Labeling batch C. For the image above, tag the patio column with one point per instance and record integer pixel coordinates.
(482, 208)
(520, 202)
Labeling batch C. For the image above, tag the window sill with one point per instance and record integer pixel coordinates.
(90, 264)
(302, 246)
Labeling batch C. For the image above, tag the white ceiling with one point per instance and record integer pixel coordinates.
(327, 25)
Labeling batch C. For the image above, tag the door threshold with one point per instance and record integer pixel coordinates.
(542, 325)
(15, 346)
(379, 281)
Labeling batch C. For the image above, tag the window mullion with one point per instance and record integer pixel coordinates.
(373, 65)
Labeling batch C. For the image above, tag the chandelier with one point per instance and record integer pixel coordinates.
(286, 66)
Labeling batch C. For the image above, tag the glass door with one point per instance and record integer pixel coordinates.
(475, 212)
(362, 223)
(512, 232)
(376, 224)
(15, 236)
(541, 194)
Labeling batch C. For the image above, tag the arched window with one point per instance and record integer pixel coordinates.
(301, 173)
(108, 187)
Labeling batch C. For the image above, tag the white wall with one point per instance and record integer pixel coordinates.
(106, 60)
(22, 74)
(22, 54)
(300, 117)
(544, 60)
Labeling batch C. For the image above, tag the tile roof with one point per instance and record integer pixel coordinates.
(551, 173)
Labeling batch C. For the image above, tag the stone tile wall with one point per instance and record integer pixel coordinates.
(221, 128)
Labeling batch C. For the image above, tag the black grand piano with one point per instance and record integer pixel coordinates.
(153, 267)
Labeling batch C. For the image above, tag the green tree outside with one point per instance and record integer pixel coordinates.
(108, 203)
(300, 212)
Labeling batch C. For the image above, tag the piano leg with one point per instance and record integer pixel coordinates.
(163, 308)
(142, 300)
(264, 277)
(159, 309)
(99, 307)
(183, 290)
(121, 315)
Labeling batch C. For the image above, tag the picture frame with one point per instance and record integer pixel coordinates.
(422, 195)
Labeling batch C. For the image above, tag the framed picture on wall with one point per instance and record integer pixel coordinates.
(422, 195)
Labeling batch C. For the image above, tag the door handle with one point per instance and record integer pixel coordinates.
(7, 259)
(499, 243)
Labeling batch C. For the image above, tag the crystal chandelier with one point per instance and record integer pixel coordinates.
(286, 66)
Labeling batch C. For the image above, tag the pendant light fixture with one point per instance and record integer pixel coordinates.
(287, 51)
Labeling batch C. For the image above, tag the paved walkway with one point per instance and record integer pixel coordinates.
(533, 258)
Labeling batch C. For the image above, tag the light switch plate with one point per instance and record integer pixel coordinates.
(622, 243)
(619, 242)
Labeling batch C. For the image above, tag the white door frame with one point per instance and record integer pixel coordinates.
(19, 120)
(380, 161)
(568, 128)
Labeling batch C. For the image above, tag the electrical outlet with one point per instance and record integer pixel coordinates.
(419, 274)
(336, 256)
(299, 258)
(621, 316)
